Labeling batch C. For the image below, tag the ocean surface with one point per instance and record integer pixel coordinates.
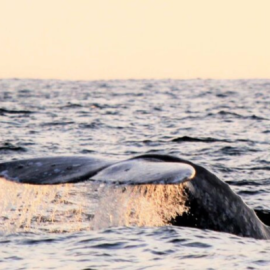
(223, 125)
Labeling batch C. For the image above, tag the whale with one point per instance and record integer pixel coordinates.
(212, 203)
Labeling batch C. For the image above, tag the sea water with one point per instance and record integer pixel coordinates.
(223, 125)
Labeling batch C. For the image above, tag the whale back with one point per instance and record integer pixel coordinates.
(216, 207)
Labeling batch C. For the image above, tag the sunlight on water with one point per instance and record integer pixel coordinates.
(67, 208)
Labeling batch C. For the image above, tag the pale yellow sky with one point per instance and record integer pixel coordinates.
(120, 39)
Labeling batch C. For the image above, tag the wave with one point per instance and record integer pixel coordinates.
(11, 147)
(6, 111)
(197, 139)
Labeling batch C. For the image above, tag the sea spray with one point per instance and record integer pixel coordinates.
(144, 205)
(51, 208)
(87, 206)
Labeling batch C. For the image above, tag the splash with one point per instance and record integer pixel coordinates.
(27, 207)
(144, 205)
(68, 208)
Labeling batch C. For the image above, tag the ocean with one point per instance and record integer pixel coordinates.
(222, 125)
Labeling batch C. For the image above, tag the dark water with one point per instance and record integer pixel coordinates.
(222, 125)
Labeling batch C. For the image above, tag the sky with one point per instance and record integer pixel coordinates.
(134, 39)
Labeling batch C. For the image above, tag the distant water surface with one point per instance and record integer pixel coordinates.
(222, 125)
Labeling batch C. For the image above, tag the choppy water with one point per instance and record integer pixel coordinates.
(222, 125)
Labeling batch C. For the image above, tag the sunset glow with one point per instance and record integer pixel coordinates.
(122, 39)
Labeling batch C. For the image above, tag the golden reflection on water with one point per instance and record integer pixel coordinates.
(76, 207)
